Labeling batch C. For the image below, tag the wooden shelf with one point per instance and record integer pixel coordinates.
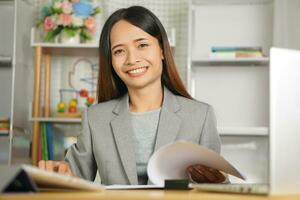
(56, 120)
(52, 119)
(60, 45)
(244, 131)
(36, 42)
(264, 61)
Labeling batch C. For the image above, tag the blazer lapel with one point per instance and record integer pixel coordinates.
(123, 134)
(169, 123)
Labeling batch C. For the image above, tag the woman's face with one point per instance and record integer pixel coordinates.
(136, 56)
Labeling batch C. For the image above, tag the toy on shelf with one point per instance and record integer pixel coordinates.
(78, 98)
(89, 101)
(61, 107)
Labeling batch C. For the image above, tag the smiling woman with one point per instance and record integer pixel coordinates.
(136, 56)
(139, 25)
(142, 105)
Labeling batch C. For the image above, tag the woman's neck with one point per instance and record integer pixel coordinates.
(145, 99)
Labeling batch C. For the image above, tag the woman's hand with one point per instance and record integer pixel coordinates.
(202, 174)
(61, 167)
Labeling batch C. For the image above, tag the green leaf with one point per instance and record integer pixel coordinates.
(96, 11)
(52, 34)
(70, 31)
(56, 10)
(39, 23)
(85, 35)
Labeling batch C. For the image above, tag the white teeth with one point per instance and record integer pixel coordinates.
(137, 71)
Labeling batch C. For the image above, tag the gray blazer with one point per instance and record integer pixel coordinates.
(106, 142)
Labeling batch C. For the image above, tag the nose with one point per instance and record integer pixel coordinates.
(132, 57)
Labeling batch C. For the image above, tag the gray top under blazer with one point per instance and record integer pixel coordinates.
(106, 142)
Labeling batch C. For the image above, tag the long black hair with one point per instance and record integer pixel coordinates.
(110, 86)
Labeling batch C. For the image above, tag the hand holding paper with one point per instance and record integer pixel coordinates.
(201, 174)
(171, 162)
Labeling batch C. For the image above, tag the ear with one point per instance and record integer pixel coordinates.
(162, 54)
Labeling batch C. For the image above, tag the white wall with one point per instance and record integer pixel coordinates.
(287, 24)
(24, 58)
(6, 47)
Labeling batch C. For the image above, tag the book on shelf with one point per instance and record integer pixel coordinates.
(4, 132)
(236, 52)
(44, 142)
(235, 48)
(50, 145)
(4, 125)
(46, 147)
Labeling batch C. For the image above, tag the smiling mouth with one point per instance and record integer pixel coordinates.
(137, 71)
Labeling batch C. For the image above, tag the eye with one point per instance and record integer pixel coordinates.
(143, 45)
(118, 52)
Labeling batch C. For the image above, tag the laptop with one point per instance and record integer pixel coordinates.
(284, 135)
(259, 189)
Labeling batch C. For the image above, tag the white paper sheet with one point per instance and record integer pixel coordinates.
(171, 161)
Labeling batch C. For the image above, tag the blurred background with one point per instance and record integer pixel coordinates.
(201, 33)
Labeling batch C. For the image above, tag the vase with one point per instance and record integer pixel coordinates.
(67, 39)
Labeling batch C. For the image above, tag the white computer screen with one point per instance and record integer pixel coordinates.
(284, 121)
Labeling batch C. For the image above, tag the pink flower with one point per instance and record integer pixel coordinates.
(66, 7)
(90, 23)
(48, 23)
(65, 19)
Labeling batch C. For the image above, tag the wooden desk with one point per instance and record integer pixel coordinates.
(143, 195)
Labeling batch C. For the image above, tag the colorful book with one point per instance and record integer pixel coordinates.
(50, 141)
(39, 153)
(44, 142)
(240, 48)
(235, 52)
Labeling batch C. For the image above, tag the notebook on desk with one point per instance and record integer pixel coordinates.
(27, 178)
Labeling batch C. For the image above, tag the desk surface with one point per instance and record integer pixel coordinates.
(143, 195)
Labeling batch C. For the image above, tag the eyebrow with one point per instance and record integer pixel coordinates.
(136, 40)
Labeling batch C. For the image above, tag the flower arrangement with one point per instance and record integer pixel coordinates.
(69, 17)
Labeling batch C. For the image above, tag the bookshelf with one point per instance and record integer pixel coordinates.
(230, 62)
(243, 131)
(55, 120)
(49, 58)
(237, 88)
(51, 119)
(218, 80)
